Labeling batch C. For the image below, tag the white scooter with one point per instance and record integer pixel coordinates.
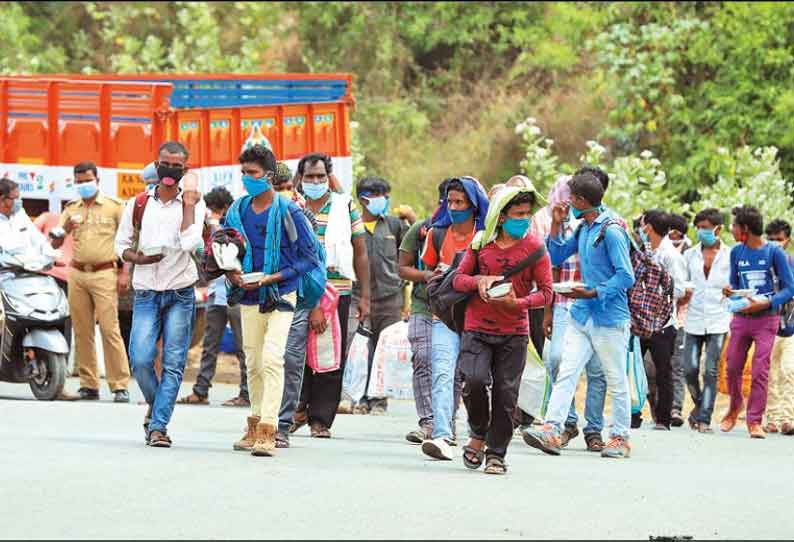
(33, 315)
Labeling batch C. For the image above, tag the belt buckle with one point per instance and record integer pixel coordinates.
(88, 268)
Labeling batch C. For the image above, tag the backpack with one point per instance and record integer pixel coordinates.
(141, 200)
(787, 310)
(449, 305)
(651, 298)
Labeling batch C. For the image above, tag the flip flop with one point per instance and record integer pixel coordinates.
(193, 399)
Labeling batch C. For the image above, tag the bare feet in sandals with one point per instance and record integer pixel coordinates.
(474, 454)
(193, 399)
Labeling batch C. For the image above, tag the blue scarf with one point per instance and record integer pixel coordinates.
(478, 199)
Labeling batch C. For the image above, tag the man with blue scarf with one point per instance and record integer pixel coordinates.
(460, 216)
(279, 243)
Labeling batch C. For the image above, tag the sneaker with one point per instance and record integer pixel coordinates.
(594, 442)
(361, 409)
(569, 433)
(676, 419)
(544, 440)
(121, 396)
(418, 436)
(345, 407)
(452, 442)
(87, 394)
(661, 427)
(438, 449)
(617, 448)
(377, 410)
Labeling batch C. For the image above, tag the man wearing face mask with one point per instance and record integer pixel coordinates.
(599, 318)
(383, 236)
(461, 215)
(282, 250)
(780, 410)
(493, 345)
(167, 222)
(706, 325)
(341, 231)
(17, 232)
(93, 220)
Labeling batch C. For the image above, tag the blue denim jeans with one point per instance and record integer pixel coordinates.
(170, 315)
(444, 362)
(704, 397)
(596, 382)
(608, 345)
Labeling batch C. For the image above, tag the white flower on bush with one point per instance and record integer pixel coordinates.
(534, 130)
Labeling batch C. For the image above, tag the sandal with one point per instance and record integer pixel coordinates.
(159, 440)
(472, 457)
(238, 401)
(299, 420)
(146, 421)
(495, 465)
(282, 440)
(193, 399)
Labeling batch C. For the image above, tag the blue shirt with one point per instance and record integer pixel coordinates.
(293, 259)
(758, 268)
(606, 268)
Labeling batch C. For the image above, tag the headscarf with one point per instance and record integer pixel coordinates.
(479, 201)
(495, 190)
(498, 203)
(560, 192)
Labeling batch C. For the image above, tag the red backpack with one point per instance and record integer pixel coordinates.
(651, 298)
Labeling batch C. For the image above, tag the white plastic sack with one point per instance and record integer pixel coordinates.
(354, 381)
(392, 371)
(535, 385)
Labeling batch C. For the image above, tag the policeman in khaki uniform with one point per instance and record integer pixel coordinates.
(93, 220)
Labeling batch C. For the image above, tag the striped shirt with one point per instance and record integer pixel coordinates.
(343, 285)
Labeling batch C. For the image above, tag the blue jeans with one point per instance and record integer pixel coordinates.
(705, 397)
(608, 345)
(596, 382)
(444, 362)
(170, 315)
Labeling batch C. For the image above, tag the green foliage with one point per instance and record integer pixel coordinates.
(749, 176)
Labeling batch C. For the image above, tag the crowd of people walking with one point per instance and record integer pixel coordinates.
(490, 278)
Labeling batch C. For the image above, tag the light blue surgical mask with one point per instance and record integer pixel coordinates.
(577, 214)
(17, 206)
(459, 217)
(707, 237)
(254, 186)
(644, 237)
(315, 191)
(87, 190)
(378, 206)
(516, 227)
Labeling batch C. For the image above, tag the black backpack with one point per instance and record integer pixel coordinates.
(449, 305)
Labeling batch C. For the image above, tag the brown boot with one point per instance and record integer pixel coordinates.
(265, 444)
(246, 443)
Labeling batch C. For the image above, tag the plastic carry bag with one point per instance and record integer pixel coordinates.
(354, 380)
(324, 352)
(535, 388)
(638, 380)
(392, 370)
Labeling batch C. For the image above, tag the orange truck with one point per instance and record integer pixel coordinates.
(50, 123)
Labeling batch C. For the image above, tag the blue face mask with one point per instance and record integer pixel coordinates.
(17, 206)
(644, 237)
(87, 190)
(255, 187)
(707, 237)
(459, 217)
(577, 214)
(315, 191)
(378, 206)
(516, 227)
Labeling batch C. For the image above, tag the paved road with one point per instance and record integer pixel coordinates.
(80, 470)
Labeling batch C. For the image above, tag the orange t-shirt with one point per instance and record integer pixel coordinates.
(452, 245)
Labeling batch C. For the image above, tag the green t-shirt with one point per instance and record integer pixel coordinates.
(412, 245)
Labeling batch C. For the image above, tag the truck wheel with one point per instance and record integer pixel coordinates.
(49, 384)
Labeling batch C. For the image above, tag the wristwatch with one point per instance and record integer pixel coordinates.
(57, 232)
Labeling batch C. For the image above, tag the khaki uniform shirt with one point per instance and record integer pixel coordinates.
(94, 238)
